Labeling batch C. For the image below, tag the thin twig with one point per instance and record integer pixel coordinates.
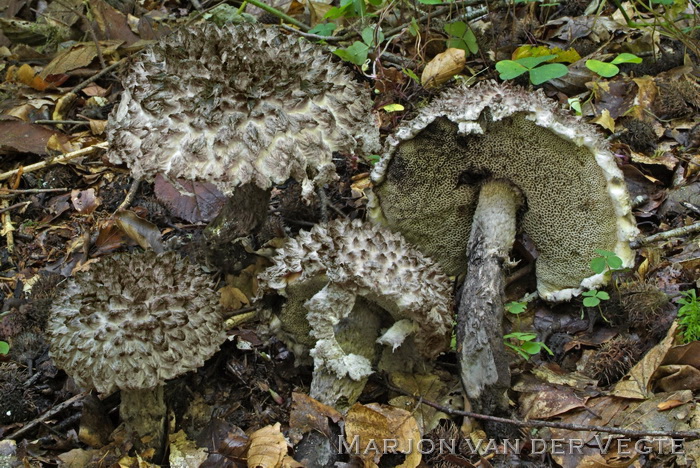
(50, 413)
(62, 122)
(5, 192)
(537, 423)
(7, 226)
(97, 75)
(16, 205)
(57, 160)
(279, 14)
(130, 195)
(681, 231)
(242, 310)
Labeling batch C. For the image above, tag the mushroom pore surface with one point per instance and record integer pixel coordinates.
(238, 104)
(429, 184)
(134, 321)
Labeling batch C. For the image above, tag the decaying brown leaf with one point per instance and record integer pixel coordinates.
(84, 201)
(23, 137)
(78, 56)
(378, 429)
(443, 67)
(145, 233)
(267, 447)
(309, 414)
(195, 202)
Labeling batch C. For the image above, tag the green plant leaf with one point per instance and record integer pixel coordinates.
(356, 53)
(599, 264)
(604, 69)
(368, 36)
(532, 347)
(456, 29)
(470, 40)
(4, 347)
(614, 262)
(532, 62)
(323, 29)
(626, 58)
(411, 74)
(509, 69)
(591, 301)
(393, 108)
(602, 295)
(345, 10)
(413, 28)
(431, 2)
(516, 308)
(547, 72)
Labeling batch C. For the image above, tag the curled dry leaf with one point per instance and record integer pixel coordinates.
(375, 429)
(267, 447)
(145, 233)
(443, 67)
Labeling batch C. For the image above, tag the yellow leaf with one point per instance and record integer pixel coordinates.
(568, 56)
(605, 120)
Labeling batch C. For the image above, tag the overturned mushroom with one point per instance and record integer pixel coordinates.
(263, 107)
(454, 179)
(132, 322)
(344, 282)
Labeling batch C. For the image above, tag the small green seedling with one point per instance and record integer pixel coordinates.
(323, 29)
(461, 37)
(509, 69)
(4, 347)
(357, 53)
(610, 69)
(592, 298)
(689, 316)
(515, 308)
(524, 344)
(606, 261)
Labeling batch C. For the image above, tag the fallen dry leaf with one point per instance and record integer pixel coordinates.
(195, 202)
(80, 55)
(23, 137)
(145, 233)
(443, 67)
(376, 429)
(267, 447)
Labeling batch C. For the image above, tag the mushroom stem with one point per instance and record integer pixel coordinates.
(480, 348)
(144, 412)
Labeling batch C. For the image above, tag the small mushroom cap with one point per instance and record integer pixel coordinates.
(359, 259)
(427, 182)
(134, 321)
(238, 104)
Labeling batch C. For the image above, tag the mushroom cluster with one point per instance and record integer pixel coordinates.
(238, 104)
(132, 322)
(352, 287)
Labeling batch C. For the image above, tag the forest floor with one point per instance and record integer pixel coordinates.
(626, 362)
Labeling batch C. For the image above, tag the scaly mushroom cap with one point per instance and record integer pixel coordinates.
(238, 104)
(356, 259)
(134, 321)
(427, 182)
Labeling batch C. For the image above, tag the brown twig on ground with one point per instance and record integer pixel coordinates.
(97, 75)
(57, 160)
(538, 423)
(130, 195)
(49, 414)
(681, 231)
(16, 205)
(10, 193)
(242, 310)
